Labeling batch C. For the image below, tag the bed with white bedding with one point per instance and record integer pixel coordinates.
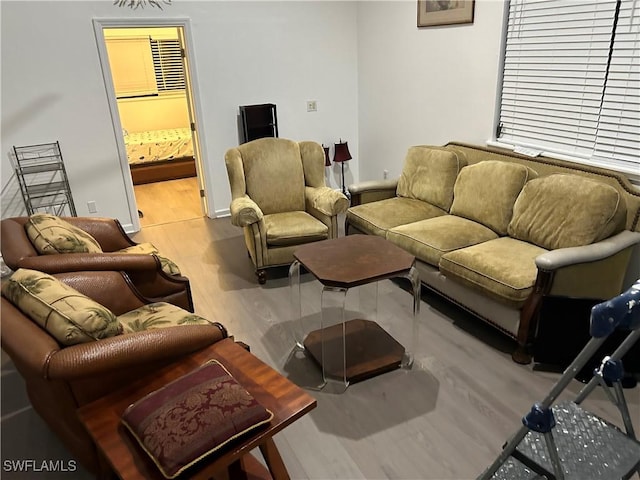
(159, 155)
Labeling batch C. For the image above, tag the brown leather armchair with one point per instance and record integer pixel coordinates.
(145, 271)
(60, 379)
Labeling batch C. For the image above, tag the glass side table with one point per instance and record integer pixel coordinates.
(352, 350)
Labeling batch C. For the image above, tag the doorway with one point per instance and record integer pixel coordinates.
(155, 119)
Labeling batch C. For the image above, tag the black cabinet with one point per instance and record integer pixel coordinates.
(258, 121)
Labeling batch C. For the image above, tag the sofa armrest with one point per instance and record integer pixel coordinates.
(597, 270)
(326, 200)
(244, 212)
(372, 190)
(130, 351)
(608, 247)
(108, 232)
(76, 262)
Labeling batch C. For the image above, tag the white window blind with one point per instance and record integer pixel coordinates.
(618, 139)
(132, 66)
(571, 79)
(168, 64)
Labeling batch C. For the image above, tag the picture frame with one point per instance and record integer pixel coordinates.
(444, 12)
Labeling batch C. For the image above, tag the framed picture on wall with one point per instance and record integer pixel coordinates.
(444, 12)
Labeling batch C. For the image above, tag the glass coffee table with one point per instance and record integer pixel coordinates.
(351, 350)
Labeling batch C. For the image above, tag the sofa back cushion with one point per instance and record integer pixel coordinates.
(273, 174)
(486, 191)
(51, 235)
(429, 174)
(565, 210)
(65, 313)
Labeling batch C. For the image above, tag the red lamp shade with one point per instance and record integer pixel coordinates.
(327, 162)
(341, 152)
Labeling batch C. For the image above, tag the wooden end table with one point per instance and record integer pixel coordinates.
(127, 459)
(356, 349)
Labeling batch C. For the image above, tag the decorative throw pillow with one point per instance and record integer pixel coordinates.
(168, 266)
(65, 313)
(50, 234)
(192, 417)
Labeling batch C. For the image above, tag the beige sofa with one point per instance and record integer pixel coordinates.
(497, 233)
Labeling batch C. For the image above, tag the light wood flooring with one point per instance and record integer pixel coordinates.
(446, 418)
(168, 201)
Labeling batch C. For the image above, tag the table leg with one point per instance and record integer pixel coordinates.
(296, 302)
(414, 278)
(333, 305)
(274, 460)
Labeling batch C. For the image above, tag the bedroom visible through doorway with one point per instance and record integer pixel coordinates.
(151, 88)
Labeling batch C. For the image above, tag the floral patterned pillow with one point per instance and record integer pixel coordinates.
(193, 417)
(65, 313)
(50, 234)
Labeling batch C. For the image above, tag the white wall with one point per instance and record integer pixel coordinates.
(423, 86)
(244, 52)
(381, 83)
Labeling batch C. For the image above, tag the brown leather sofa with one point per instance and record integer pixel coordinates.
(145, 271)
(60, 379)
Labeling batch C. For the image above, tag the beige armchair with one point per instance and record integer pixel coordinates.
(280, 199)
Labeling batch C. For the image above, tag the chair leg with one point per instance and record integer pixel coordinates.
(262, 276)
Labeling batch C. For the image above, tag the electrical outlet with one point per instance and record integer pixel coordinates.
(92, 207)
(312, 106)
(385, 174)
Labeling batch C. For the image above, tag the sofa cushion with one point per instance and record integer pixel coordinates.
(158, 315)
(168, 266)
(376, 218)
(65, 313)
(429, 174)
(566, 210)
(429, 239)
(503, 268)
(293, 228)
(50, 235)
(486, 191)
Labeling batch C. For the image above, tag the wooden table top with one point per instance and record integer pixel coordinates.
(354, 260)
(287, 401)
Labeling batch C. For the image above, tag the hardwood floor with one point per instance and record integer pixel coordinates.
(446, 418)
(168, 201)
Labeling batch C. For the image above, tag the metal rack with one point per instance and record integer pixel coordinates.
(43, 179)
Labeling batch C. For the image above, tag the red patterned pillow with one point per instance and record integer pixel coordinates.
(192, 417)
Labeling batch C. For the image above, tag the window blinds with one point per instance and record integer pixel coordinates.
(618, 138)
(571, 79)
(131, 66)
(168, 65)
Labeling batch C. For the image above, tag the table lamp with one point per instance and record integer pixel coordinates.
(340, 156)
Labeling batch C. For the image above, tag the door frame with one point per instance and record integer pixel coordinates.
(192, 91)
